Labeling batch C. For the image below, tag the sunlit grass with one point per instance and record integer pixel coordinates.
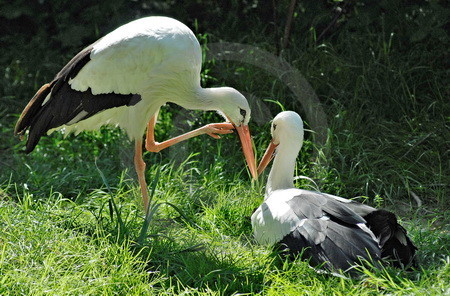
(59, 246)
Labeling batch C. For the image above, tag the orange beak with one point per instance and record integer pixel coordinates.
(244, 135)
(268, 156)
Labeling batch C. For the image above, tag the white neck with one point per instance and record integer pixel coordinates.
(205, 99)
(282, 173)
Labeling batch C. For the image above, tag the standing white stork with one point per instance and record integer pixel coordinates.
(333, 231)
(123, 79)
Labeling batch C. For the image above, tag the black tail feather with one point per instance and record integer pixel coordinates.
(395, 244)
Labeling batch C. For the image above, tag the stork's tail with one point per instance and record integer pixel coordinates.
(29, 114)
(395, 244)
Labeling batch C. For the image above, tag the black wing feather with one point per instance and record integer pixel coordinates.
(65, 103)
(330, 235)
(396, 246)
(341, 248)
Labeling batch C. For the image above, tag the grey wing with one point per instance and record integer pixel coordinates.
(330, 233)
(393, 238)
(313, 204)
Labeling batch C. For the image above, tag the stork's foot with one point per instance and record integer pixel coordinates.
(216, 129)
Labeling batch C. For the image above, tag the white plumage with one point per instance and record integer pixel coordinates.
(150, 50)
(274, 219)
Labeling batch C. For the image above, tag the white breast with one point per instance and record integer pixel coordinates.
(274, 219)
(132, 119)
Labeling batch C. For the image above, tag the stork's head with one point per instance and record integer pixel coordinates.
(287, 129)
(233, 106)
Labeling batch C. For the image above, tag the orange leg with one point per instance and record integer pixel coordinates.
(139, 165)
(153, 146)
(212, 129)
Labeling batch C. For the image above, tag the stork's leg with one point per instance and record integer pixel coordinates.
(212, 129)
(139, 165)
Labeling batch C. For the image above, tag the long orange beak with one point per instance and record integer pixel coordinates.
(244, 135)
(268, 156)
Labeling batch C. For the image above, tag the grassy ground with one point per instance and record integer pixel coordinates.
(54, 245)
(70, 216)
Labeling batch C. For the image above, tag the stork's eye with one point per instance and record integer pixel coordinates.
(243, 112)
(274, 127)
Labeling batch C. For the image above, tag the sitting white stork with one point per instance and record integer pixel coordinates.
(123, 79)
(332, 231)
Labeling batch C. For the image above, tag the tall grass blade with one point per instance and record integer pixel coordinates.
(120, 225)
(103, 178)
(182, 214)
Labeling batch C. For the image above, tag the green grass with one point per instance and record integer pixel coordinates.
(70, 215)
(52, 245)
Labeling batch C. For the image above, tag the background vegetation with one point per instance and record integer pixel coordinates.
(70, 220)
